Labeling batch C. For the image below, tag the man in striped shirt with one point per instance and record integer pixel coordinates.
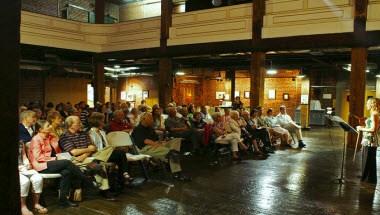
(79, 145)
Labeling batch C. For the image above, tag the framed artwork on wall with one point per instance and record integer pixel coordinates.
(272, 94)
(220, 95)
(285, 96)
(247, 94)
(145, 94)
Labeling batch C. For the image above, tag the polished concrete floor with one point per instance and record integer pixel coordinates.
(289, 182)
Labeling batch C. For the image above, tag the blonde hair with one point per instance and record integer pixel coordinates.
(234, 114)
(375, 104)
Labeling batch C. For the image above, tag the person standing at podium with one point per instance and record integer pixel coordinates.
(370, 141)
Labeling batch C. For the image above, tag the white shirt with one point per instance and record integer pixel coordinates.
(284, 119)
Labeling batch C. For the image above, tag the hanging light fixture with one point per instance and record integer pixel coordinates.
(301, 75)
(271, 71)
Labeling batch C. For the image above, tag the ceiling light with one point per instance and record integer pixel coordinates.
(116, 66)
(367, 70)
(180, 73)
(112, 59)
(300, 76)
(378, 76)
(271, 72)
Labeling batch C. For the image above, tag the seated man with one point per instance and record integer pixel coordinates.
(178, 127)
(146, 140)
(119, 122)
(276, 130)
(79, 145)
(286, 122)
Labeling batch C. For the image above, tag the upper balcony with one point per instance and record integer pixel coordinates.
(283, 18)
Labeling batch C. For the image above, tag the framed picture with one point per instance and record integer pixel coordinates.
(123, 95)
(237, 93)
(220, 95)
(131, 97)
(145, 94)
(247, 94)
(327, 96)
(272, 94)
(285, 96)
(304, 99)
(226, 96)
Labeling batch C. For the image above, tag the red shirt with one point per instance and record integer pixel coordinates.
(119, 125)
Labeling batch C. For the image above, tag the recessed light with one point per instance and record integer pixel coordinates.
(271, 71)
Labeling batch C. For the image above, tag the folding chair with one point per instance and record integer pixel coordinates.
(123, 139)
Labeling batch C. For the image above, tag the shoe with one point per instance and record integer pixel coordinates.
(66, 204)
(107, 195)
(181, 177)
(301, 144)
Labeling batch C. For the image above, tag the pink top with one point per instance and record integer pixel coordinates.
(40, 151)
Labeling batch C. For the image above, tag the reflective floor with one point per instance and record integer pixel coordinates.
(289, 182)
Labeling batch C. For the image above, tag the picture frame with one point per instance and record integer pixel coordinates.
(145, 94)
(131, 97)
(247, 94)
(272, 94)
(327, 96)
(220, 95)
(285, 96)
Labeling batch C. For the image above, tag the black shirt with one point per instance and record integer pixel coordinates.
(141, 133)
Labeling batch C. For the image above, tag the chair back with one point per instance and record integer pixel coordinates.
(119, 138)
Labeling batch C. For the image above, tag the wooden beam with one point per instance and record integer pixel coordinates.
(165, 82)
(257, 73)
(166, 23)
(99, 11)
(99, 82)
(9, 94)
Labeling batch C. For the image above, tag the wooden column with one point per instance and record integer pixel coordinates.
(99, 82)
(165, 80)
(231, 76)
(357, 88)
(9, 94)
(165, 76)
(257, 70)
(99, 11)
(166, 22)
(257, 73)
(358, 68)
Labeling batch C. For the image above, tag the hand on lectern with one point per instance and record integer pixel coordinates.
(358, 128)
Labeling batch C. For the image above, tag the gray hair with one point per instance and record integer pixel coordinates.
(70, 121)
(26, 114)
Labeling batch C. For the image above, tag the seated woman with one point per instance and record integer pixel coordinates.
(247, 135)
(29, 177)
(158, 121)
(276, 130)
(55, 120)
(42, 155)
(259, 132)
(98, 137)
(223, 137)
(26, 127)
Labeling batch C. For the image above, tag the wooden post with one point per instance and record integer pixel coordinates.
(257, 73)
(99, 11)
(358, 68)
(166, 22)
(231, 75)
(9, 94)
(165, 80)
(99, 82)
(258, 13)
(357, 88)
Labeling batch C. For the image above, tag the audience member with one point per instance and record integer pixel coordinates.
(148, 142)
(119, 122)
(26, 127)
(286, 122)
(28, 177)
